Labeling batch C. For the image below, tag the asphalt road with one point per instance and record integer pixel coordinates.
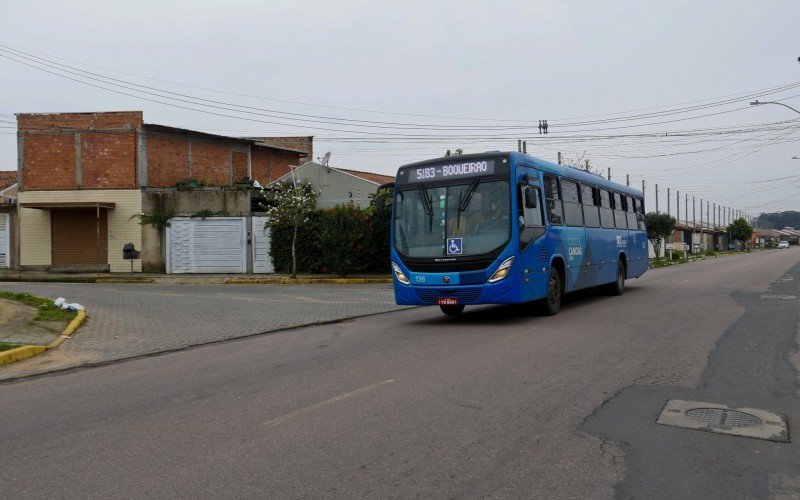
(498, 402)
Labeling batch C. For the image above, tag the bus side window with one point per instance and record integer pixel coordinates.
(552, 193)
(606, 212)
(620, 218)
(572, 207)
(590, 213)
(640, 213)
(630, 213)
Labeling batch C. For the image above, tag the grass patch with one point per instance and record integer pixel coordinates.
(47, 310)
(7, 347)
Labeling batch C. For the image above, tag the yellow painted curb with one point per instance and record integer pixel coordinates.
(20, 353)
(28, 351)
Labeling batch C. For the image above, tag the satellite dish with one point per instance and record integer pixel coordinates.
(325, 159)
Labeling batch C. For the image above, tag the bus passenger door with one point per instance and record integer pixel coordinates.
(531, 226)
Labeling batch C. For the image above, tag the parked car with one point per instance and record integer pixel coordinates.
(783, 244)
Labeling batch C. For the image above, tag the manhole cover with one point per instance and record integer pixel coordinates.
(720, 419)
(715, 417)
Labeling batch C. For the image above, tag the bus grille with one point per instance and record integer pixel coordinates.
(464, 296)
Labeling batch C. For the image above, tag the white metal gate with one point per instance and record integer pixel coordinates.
(261, 238)
(5, 231)
(211, 245)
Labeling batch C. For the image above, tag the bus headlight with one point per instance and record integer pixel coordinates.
(502, 271)
(401, 277)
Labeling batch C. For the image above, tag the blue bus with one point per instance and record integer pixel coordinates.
(505, 227)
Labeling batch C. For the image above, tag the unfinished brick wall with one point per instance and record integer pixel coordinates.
(108, 161)
(115, 120)
(167, 160)
(49, 162)
(78, 150)
(239, 165)
(211, 161)
(266, 165)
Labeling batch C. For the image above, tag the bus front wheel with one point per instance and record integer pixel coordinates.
(452, 310)
(552, 303)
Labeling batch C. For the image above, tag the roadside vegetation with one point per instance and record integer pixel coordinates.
(47, 310)
(7, 347)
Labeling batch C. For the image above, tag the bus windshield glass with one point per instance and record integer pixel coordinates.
(467, 217)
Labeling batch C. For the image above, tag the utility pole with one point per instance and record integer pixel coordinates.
(714, 215)
(628, 180)
(669, 202)
(694, 224)
(657, 199)
(587, 165)
(678, 206)
(609, 173)
(686, 208)
(559, 157)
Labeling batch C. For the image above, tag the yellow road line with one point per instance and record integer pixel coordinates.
(289, 416)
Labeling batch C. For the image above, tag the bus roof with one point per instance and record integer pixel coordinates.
(543, 165)
(573, 173)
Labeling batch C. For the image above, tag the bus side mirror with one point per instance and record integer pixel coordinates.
(531, 199)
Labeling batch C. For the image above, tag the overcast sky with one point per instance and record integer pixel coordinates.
(656, 90)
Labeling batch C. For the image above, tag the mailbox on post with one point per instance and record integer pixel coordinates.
(130, 253)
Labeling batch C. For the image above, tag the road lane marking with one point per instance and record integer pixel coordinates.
(307, 409)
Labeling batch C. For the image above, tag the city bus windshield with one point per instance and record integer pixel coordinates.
(470, 217)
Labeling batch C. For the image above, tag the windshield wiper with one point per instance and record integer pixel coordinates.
(427, 205)
(463, 203)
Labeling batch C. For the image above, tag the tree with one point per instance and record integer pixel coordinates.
(740, 230)
(290, 205)
(659, 226)
(457, 152)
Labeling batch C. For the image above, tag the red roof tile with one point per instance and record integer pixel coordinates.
(369, 176)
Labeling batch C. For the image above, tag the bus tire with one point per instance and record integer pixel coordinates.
(618, 286)
(452, 310)
(555, 292)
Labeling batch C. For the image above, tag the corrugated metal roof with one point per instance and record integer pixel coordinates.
(197, 133)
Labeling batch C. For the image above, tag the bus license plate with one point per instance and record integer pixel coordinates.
(447, 301)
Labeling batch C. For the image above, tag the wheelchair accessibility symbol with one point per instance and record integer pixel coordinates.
(454, 246)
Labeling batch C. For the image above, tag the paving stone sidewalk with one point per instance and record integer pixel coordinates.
(129, 320)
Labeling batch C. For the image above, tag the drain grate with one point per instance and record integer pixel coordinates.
(715, 417)
(711, 417)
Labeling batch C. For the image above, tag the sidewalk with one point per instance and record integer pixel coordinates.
(127, 320)
(10, 275)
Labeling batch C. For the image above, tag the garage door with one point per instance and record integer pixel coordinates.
(261, 261)
(79, 237)
(212, 245)
(5, 231)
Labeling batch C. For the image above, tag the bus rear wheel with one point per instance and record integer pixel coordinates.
(555, 291)
(452, 310)
(618, 286)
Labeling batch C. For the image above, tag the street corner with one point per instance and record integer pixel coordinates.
(29, 350)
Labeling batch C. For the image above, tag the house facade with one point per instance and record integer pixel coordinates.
(86, 179)
(336, 186)
(8, 219)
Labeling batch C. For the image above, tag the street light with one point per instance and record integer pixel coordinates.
(759, 103)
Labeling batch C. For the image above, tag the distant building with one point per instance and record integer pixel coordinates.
(338, 185)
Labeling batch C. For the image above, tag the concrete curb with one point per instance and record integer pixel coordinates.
(28, 351)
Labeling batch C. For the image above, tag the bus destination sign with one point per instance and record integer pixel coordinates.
(448, 171)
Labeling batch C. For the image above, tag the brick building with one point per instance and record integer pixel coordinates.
(83, 179)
